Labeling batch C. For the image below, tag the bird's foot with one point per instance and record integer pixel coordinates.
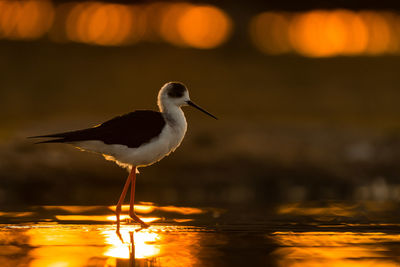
(136, 219)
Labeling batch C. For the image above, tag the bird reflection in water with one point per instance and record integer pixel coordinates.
(154, 246)
(147, 256)
(126, 250)
(132, 258)
(158, 245)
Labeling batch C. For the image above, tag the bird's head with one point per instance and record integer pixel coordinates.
(176, 94)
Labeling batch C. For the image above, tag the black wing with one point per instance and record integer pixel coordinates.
(132, 129)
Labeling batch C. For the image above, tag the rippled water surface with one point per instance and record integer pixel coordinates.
(286, 235)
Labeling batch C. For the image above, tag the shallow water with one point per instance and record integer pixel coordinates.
(328, 234)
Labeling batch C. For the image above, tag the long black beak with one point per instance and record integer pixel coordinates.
(190, 103)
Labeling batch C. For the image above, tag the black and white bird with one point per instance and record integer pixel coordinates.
(136, 139)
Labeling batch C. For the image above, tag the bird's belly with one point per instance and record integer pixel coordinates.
(144, 155)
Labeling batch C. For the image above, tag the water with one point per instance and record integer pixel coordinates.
(327, 234)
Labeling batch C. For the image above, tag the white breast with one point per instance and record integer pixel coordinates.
(169, 139)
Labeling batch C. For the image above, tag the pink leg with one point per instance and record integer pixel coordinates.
(132, 213)
(121, 200)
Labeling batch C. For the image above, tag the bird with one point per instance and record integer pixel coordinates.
(136, 139)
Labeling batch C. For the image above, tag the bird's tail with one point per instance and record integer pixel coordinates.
(59, 138)
(65, 137)
(49, 141)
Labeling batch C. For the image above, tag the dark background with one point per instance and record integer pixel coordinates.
(291, 128)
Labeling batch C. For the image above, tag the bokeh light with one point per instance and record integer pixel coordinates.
(180, 24)
(204, 27)
(326, 33)
(318, 33)
(198, 26)
(169, 25)
(25, 19)
(101, 24)
(270, 32)
(314, 33)
(378, 31)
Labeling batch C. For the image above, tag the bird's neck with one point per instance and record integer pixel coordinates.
(173, 114)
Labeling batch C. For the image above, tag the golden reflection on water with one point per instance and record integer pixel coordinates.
(334, 249)
(150, 207)
(16, 214)
(92, 241)
(101, 218)
(164, 245)
(98, 245)
(334, 209)
(54, 244)
(145, 244)
(85, 213)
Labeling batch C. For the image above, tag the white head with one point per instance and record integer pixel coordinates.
(175, 95)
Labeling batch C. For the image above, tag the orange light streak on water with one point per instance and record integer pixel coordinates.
(181, 210)
(333, 249)
(329, 210)
(150, 208)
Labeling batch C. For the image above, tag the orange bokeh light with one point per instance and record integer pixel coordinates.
(71, 21)
(169, 24)
(99, 23)
(25, 19)
(181, 24)
(204, 27)
(356, 32)
(378, 31)
(269, 32)
(318, 34)
(323, 33)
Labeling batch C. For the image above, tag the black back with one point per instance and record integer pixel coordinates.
(132, 129)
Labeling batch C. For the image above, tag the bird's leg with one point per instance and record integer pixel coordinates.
(132, 213)
(121, 200)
